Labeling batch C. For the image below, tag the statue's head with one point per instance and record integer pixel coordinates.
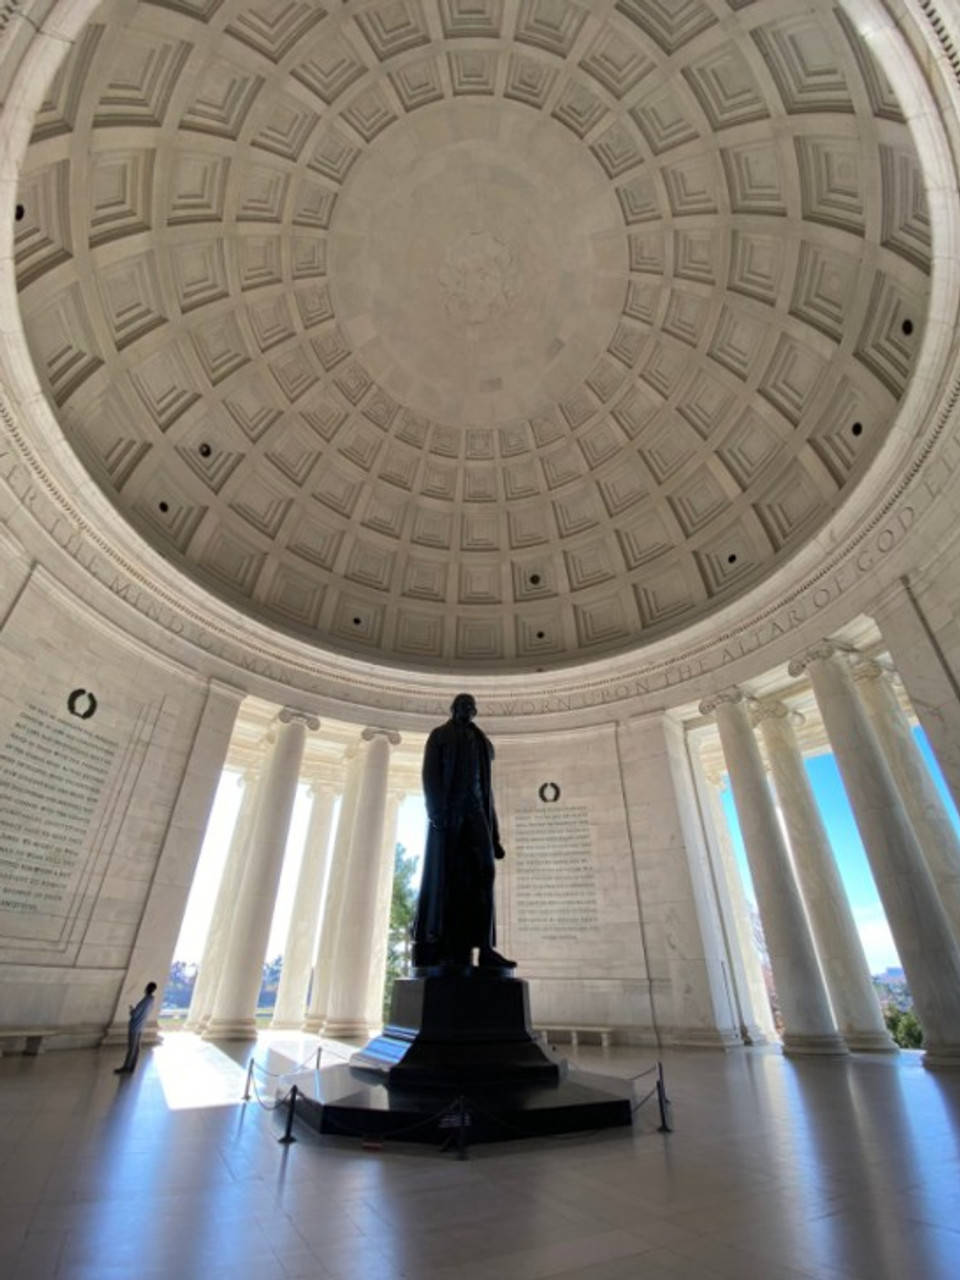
(463, 708)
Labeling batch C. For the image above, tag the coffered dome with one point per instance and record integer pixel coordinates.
(474, 333)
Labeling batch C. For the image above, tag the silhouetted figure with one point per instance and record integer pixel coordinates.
(455, 906)
(139, 1013)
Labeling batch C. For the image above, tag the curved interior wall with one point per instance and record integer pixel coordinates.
(86, 605)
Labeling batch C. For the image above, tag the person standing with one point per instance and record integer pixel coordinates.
(139, 1013)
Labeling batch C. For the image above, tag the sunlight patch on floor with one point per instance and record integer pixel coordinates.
(194, 1073)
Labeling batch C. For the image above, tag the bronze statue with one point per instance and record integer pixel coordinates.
(455, 906)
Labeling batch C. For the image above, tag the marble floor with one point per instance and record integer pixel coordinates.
(777, 1169)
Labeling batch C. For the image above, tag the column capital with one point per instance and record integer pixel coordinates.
(869, 669)
(373, 731)
(714, 700)
(818, 652)
(317, 785)
(293, 715)
(773, 709)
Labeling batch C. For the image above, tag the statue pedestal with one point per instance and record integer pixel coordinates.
(470, 1028)
(457, 1063)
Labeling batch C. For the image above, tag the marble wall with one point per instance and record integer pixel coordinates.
(624, 934)
(109, 759)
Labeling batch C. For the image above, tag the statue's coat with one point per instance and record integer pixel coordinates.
(448, 865)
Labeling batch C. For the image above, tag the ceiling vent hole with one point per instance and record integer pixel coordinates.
(534, 579)
(19, 213)
(541, 635)
(357, 622)
(204, 450)
(164, 507)
(857, 429)
(732, 558)
(907, 327)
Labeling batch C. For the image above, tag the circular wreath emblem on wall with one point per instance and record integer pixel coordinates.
(549, 792)
(81, 704)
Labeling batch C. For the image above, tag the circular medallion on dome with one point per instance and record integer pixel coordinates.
(477, 259)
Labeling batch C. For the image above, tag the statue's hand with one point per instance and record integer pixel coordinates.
(499, 851)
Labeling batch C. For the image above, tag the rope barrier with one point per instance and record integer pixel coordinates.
(461, 1106)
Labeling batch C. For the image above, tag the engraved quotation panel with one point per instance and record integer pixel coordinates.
(54, 773)
(555, 883)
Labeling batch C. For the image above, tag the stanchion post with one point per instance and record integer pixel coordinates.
(246, 1087)
(291, 1108)
(662, 1101)
(461, 1128)
(319, 1051)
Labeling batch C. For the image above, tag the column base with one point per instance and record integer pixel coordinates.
(754, 1035)
(287, 1024)
(942, 1057)
(869, 1042)
(230, 1029)
(312, 1025)
(796, 1043)
(352, 1030)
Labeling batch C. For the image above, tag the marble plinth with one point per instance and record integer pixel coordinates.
(469, 1028)
(356, 1102)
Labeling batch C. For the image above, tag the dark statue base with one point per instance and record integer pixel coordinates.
(457, 1060)
(472, 1028)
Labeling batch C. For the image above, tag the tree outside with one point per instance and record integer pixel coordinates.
(178, 993)
(904, 1027)
(403, 905)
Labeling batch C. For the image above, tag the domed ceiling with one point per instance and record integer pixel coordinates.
(473, 333)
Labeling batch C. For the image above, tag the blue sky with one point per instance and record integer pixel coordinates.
(848, 848)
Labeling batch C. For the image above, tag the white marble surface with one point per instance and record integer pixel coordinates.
(236, 1000)
(808, 1020)
(299, 947)
(927, 812)
(921, 929)
(350, 983)
(210, 968)
(856, 1007)
(327, 952)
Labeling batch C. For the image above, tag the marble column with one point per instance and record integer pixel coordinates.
(381, 926)
(326, 956)
(347, 1005)
(856, 1007)
(925, 809)
(234, 1010)
(756, 1015)
(211, 963)
(915, 637)
(808, 1021)
(917, 919)
(153, 944)
(291, 1006)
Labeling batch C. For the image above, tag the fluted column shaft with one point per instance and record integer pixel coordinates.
(914, 912)
(236, 1002)
(381, 925)
(808, 1021)
(855, 1004)
(347, 1008)
(754, 1001)
(326, 953)
(290, 1007)
(926, 810)
(211, 962)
